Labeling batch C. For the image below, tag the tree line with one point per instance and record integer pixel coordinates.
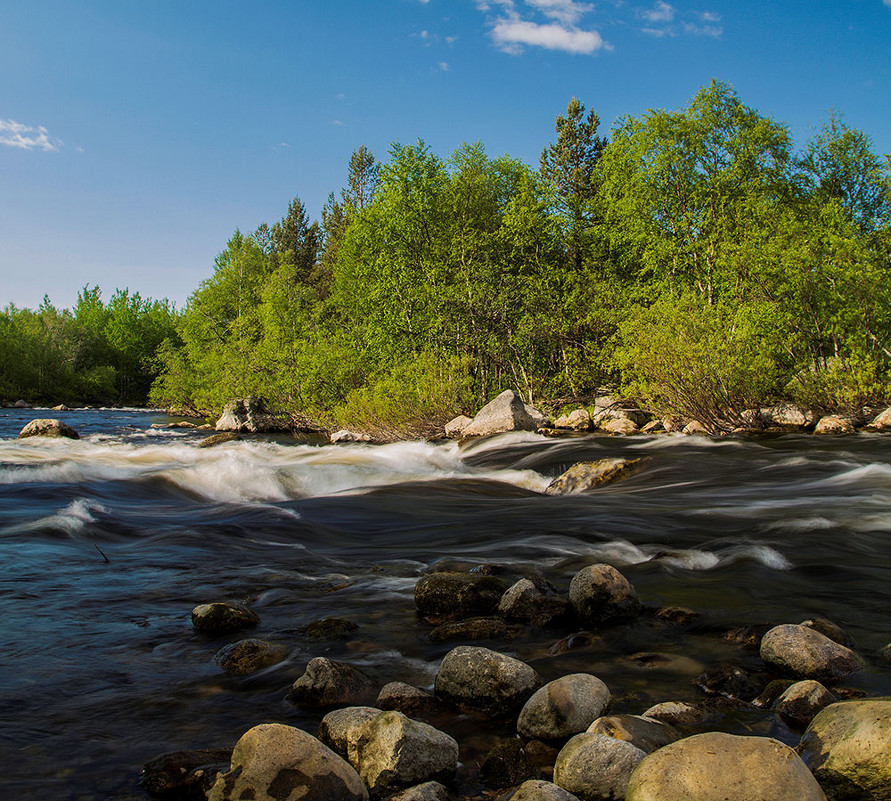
(694, 260)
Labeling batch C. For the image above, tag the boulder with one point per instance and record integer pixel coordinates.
(340, 730)
(801, 702)
(882, 422)
(564, 707)
(455, 427)
(677, 713)
(451, 595)
(394, 751)
(21, 404)
(653, 427)
(329, 628)
(577, 420)
(479, 680)
(219, 439)
(803, 652)
(507, 412)
(729, 681)
(584, 476)
(428, 791)
(834, 424)
(717, 767)
(537, 790)
(694, 427)
(595, 767)
(348, 436)
(788, 415)
(645, 733)
(506, 765)
(326, 682)
(223, 618)
(475, 628)
(249, 415)
(831, 630)
(61, 408)
(248, 656)
(185, 774)
(619, 425)
(848, 747)
(48, 428)
(600, 593)
(404, 698)
(678, 615)
(273, 762)
(526, 603)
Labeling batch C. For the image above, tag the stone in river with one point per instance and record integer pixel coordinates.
(428, 791)
(507, 412)
(449, 595)
(596, 767)
(223, 618)
(326, 682)
(185, 774)
(831, 630)
(476, 628)
(340, 729)
(48, 428)
(564, 707)
(405, 698)
(525, 602)
(583, 476)
(538, 790)
(803, 652)
(645, 733)
(248, 656)
(801, 702)
(600, 593)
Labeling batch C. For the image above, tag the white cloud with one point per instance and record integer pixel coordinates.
(661, 12)
(658, 33)
(338, 123)
(444, 66)
(27, 137)
(714, 31)
(512, 34)
(566, 12)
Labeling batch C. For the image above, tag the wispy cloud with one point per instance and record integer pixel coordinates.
(27, 137)
(551, 24)
(663, 20)
(661, 12)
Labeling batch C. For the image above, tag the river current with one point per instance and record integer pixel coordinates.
(108, 542)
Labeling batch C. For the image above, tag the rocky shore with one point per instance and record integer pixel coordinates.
(554, 740)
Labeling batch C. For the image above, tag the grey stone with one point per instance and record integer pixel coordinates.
(583, 476)
(48, 428)
(834, 424)
(801, 702)
(428, 791)
(600, 593)
(577, 420)
(537, 790)
(645, 733)
(326, 682)
(806, 654)
(595, 767)
(455, 427)
(248, 656)
(507, 412)
(525, 602)
(442, 596)
(249, 415)
(221, 617)
(405, 698)
(564, 707)
(340, 729)
(677, 713)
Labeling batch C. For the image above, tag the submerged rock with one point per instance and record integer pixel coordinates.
(273, 762)
(185, 774)
(806, 654)
(584, 476)
(327, 682)
(223, 618)
(451, 595)
(328, 628)
(476, 628)
(248, 656)
(595, 767)
(564, 707)
(600, 593)
(48, 428)
(479, 680)
(507, 412)
(848, 747)
(718, 767)
(729, 681)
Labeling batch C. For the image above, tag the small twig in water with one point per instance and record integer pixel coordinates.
(103, 555)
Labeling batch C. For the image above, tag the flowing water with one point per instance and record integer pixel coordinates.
(108, 542)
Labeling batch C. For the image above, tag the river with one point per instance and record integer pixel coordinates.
(108, 542)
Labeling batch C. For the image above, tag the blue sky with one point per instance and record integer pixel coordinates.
(137, 135)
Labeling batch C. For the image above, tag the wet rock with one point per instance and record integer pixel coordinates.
(656, 660)
(848, 747)
(328, 628)
(772, 692)
(348, 436)
(48, 428)
(595, 767)
(644, 733)
(248, 656)
(185, 775)
(507, 412)
(573, 642)
(831, 630)
(506, 765)
(806, 654)
(537, 790)
(600, 593)
(272, 762)
(61, 408)
(834, 424)
(718, 767)
(219, 439)
(428, 791)
(577, 420)
(728, 681)
(679, 615)
(394, 751)
(327, 682)
(477, 679)
(451, 595)
(564, 707)
(526, 603)
(749, 636)
(476, 628)
(885, 654)
(455, 427)
(223, 618)
(411, 701)
(249, 415)
(801, 702)
(340, 729)
(678, 713)
(583, 476)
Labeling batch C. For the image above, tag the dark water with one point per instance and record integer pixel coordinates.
(107, 543)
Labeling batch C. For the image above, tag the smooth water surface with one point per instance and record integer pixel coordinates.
(108, 542)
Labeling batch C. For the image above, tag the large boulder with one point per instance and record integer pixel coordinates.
(645, 733)
(340, 730)
(272, 762)
(717, 767)
(564, 707)
(788, 415)
(577, 420)
(48, 428)
(249, 415)
(326, 682)
(801, 702)
(479, 680)
(455, 427)
(600, 593)
(882, 422)
(595, 767)
(448, 595)
(804, 653)
(834, 424)
(394, 751)
(221, 617)
(507, 412)
(583, 476)
(619, 425)
(848, 747)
